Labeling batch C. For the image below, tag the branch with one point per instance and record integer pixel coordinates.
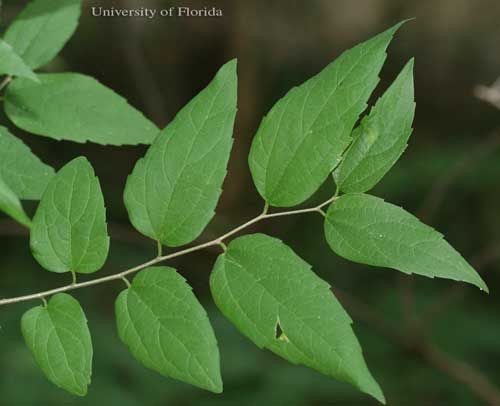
(121, 275)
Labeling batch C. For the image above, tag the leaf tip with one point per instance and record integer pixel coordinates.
(229, 68)
(82, 392)
(79, 160)
(410, 64)
(379, 396)
(482, 285)
(32, 76)
(217, 387)
(390, 31)
(478, 282)
(371, 387)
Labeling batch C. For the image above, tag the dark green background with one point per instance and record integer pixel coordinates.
(428, 342)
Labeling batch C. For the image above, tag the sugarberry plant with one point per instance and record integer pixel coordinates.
(258, 282)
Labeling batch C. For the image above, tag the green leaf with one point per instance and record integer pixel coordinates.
(381, 138)
(172, 193)
(166, 329)
(69, 230)
(22, 170)
(42, 28)
(74, 107)
(303, 137)
(59, 338)
(367, 230)
(10, 204)
(12, 64)
(271, 295)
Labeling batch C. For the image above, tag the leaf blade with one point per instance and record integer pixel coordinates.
(69, 232)
(61, 328)
(381, 138)
(187, 163)
(366, 229)
(42, 28)
(272, 296)
(294, 150)
(164, 326)
(75, 107)
(22, 170)
(12, 64)
(10, 205)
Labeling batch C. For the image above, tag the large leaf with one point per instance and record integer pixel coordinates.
(75, 107)
(10, 204)
(42, 28)
(303, 137)
(69, 230)
(59, 338)
(272, 296)
(172, 193)
(366, 229)
(381, 138)
(166, 329)
(12, 64)
(22, 170)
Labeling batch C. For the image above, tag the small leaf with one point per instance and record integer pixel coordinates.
(365, 229)
(74, 107)
(22, 170)
(12, 64)
(303, 137)
(42, 28)
(10, 204)
(59, 338)
(172, 193)
(69, 230)
(271, 295)
(166, 329)
(381, 138)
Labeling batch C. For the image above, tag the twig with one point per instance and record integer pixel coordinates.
(121, 275)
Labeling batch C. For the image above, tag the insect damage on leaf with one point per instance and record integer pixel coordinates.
(274, 298)
(261, 285)
(280, 335)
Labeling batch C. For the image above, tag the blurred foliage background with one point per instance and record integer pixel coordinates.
(428, 342)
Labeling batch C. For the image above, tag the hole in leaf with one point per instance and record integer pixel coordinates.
(279, 333)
